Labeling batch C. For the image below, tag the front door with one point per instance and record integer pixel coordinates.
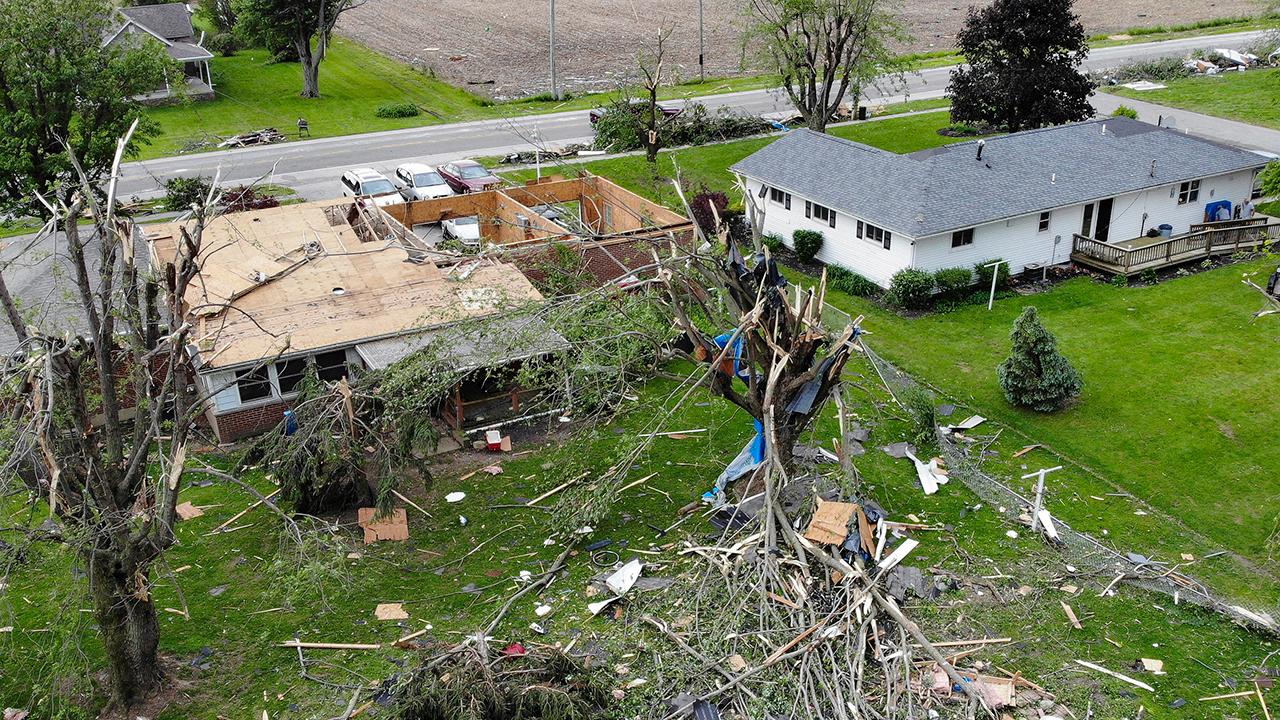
(1086, 225)
(1102, 227)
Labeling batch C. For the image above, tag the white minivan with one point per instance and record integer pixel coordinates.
(421, 182)
(369, 183)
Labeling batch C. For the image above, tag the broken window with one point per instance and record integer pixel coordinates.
(332, 366)
(253, 384)
(289, 373)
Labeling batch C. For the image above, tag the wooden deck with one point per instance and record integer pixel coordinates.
(1130, 257)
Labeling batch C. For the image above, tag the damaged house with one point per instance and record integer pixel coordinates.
(352, 287)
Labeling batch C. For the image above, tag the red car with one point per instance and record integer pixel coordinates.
(466, 176)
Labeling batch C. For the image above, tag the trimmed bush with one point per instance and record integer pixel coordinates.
(1125, 111)
(911, 289)
(773, 241)
(398, 110)
(224, 44)
(1036, 375)
(984, 274)
(953, 280)
(806, 243)
(850, 282)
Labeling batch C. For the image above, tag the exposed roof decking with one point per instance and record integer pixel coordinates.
(295, 304)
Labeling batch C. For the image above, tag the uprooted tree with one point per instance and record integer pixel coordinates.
(100, 416)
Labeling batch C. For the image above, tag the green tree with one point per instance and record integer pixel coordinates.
(1036, 375)
(825, 49)
(305, 27)
(1269, 179)
(59, 87)
(1023, 66)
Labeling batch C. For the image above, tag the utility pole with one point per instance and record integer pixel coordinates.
(702, 57)
(555, 88)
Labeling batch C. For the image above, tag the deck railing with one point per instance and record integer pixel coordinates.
(1219, 239)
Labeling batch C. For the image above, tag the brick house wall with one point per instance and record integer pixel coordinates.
(239, 424)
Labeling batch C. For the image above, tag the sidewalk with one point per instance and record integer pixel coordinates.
(1253, 137)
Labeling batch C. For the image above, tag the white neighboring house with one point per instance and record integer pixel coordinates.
(170, 24)
(1019, 197)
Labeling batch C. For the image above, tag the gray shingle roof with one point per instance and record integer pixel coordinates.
(170, 21)
(947, 188)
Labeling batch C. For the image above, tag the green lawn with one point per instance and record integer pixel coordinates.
(242, 598)
(1252, 97)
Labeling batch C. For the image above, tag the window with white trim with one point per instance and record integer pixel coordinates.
(289, 373)
(253, 384)
(332, 366)
(821, 213)
(1045, 217)
(877, 235)
(780, 197)
(961, 238)
(1188, 192)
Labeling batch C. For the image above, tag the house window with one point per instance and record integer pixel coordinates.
(780, 197)
(859, 228)
(960, 238)
(880, 236)
(821, 213)
(253, 384)
(289, 373)
(332, 366)
(1188, 192)
(1045, 217)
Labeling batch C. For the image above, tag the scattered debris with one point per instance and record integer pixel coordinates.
(266, 136)
(1116, 675)
(1155, 667)
(622, 580)
(1071, 615)
(393, 526)
(830, 523)
(454, 497)
(187, 511)
(390, 611)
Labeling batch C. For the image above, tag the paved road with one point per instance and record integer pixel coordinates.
(313, 166)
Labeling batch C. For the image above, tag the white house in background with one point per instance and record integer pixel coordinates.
(1018, 197)
(170, 24)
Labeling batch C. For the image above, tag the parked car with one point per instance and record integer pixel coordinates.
(421, 182)
(465, 230)
(637, 106)
(369, 183)
(466, 176)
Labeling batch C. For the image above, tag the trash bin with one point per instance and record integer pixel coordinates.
(862, 112)
(1166, 230)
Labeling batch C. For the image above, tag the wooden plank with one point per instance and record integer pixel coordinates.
(1118, 676)
(241, 514)
(328, 646)
(1071, 615)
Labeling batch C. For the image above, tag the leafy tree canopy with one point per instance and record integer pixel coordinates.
(1023, 66)
(1036, 375)
(60, 85)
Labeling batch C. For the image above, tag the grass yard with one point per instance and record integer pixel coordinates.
(244, 594)
(1251, 97)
